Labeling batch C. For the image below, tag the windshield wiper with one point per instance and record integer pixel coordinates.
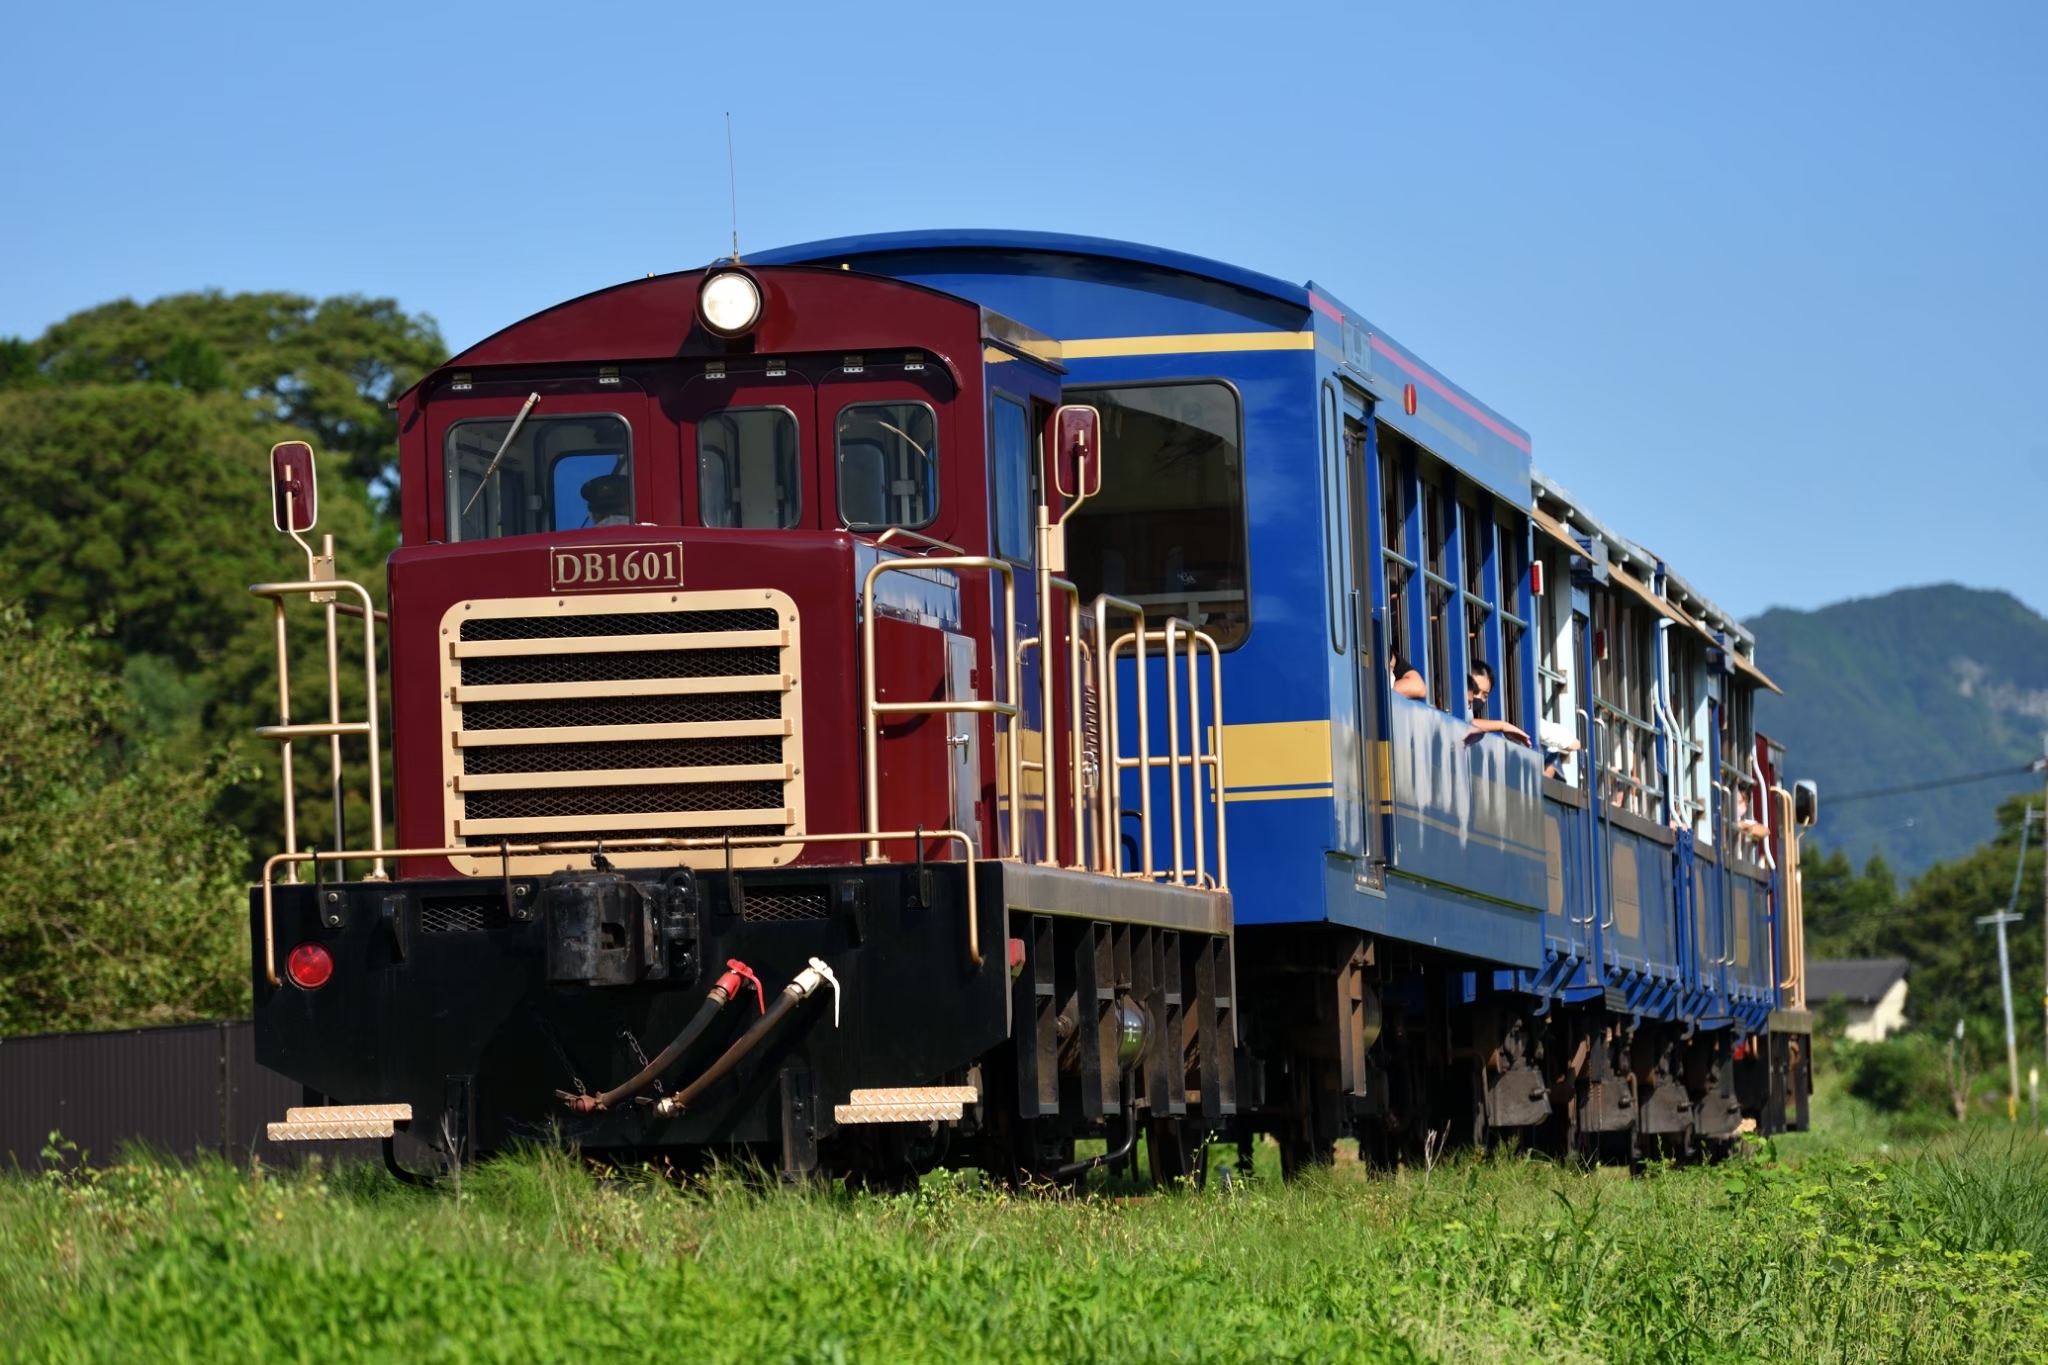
(497, 459)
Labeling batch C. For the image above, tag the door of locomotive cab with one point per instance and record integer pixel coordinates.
(887, 445)
(748, 447)
(891, 456)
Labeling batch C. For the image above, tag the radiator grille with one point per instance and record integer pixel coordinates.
(462, 914)
(562, 627)
(521, 715)
(556, 802)
(701, 738)
(642, 753)
(771, 905)
(668, 663)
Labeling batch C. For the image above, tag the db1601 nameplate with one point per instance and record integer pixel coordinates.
(602, 568)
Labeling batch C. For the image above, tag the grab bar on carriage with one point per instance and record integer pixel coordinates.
(1203, 753)
(1109, 841)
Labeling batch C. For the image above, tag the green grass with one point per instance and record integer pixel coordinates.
(1822, 1248)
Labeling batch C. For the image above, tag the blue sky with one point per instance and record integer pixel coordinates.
(1766, 282)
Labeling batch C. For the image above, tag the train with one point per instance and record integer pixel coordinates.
(943, 698)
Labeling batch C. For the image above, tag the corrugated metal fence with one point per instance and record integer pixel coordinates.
(179, 1091)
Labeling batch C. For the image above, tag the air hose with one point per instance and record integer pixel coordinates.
(1121, 1154)
(795, 993)
(737, 974)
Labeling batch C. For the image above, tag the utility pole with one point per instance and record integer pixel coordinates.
(2043, 764)
(2012, 1050)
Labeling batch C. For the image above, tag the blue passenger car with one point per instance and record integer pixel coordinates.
(1507, 855)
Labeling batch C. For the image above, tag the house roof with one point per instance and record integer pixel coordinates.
(1859, 980)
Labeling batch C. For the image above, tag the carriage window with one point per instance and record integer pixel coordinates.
(1557, 664)
(1168, 529)
(1624, 674)
(560, 473)
(1438, 593)
(1400, 563)
(748, 473)
(888, 465)
(1010, 478)
(1512, 569)
(1475, 534)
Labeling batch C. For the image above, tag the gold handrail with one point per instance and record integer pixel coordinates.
(1076, 727)
(335, 727)
(872, 708)
(1075, 722)
(1792, 911)
(293, 859)
(1105, 665)
(933, 541)
(1201, 753)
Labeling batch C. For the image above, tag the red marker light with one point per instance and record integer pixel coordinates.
(1408, 399)
(309, 966)
(1536, 578)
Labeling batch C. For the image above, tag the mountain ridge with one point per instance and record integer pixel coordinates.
(1914, 685)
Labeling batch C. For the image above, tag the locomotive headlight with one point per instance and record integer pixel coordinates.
(729, 302)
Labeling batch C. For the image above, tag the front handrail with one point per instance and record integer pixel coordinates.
(292, 860)
(334, 728)
(873, 708)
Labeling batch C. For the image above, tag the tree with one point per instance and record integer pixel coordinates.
(1845, 910)
(1933, 925)
(140, 515)
(121, 899)
(330, 367)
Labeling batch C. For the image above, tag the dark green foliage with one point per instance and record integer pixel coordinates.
(133, 443)
(1897, 1076)
(17, 362)
(1932, 924)
(329, 366)
(1919, 684)
(120, 891)
(1844, 907)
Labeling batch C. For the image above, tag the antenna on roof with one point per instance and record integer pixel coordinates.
(733, 186)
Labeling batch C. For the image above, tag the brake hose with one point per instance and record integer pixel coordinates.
(795, 993)
(1121, 1154)
(736, 975)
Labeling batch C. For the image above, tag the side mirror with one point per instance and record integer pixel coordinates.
(1076, 456)
(1805, 803)
(294, 497)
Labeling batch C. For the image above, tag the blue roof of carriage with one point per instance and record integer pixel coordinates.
(998, 239)
(1228, 297)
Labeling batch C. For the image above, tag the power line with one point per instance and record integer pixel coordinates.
(2020, 771)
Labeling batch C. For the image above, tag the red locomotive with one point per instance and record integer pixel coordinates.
(730, 657)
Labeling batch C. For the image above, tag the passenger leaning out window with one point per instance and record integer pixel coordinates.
(1407, 681)
(1478, 687)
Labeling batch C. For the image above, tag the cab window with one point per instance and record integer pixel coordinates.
(888, 462)
(1010, 475)
(1168, 528)
(560, 473)
(747, 469)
